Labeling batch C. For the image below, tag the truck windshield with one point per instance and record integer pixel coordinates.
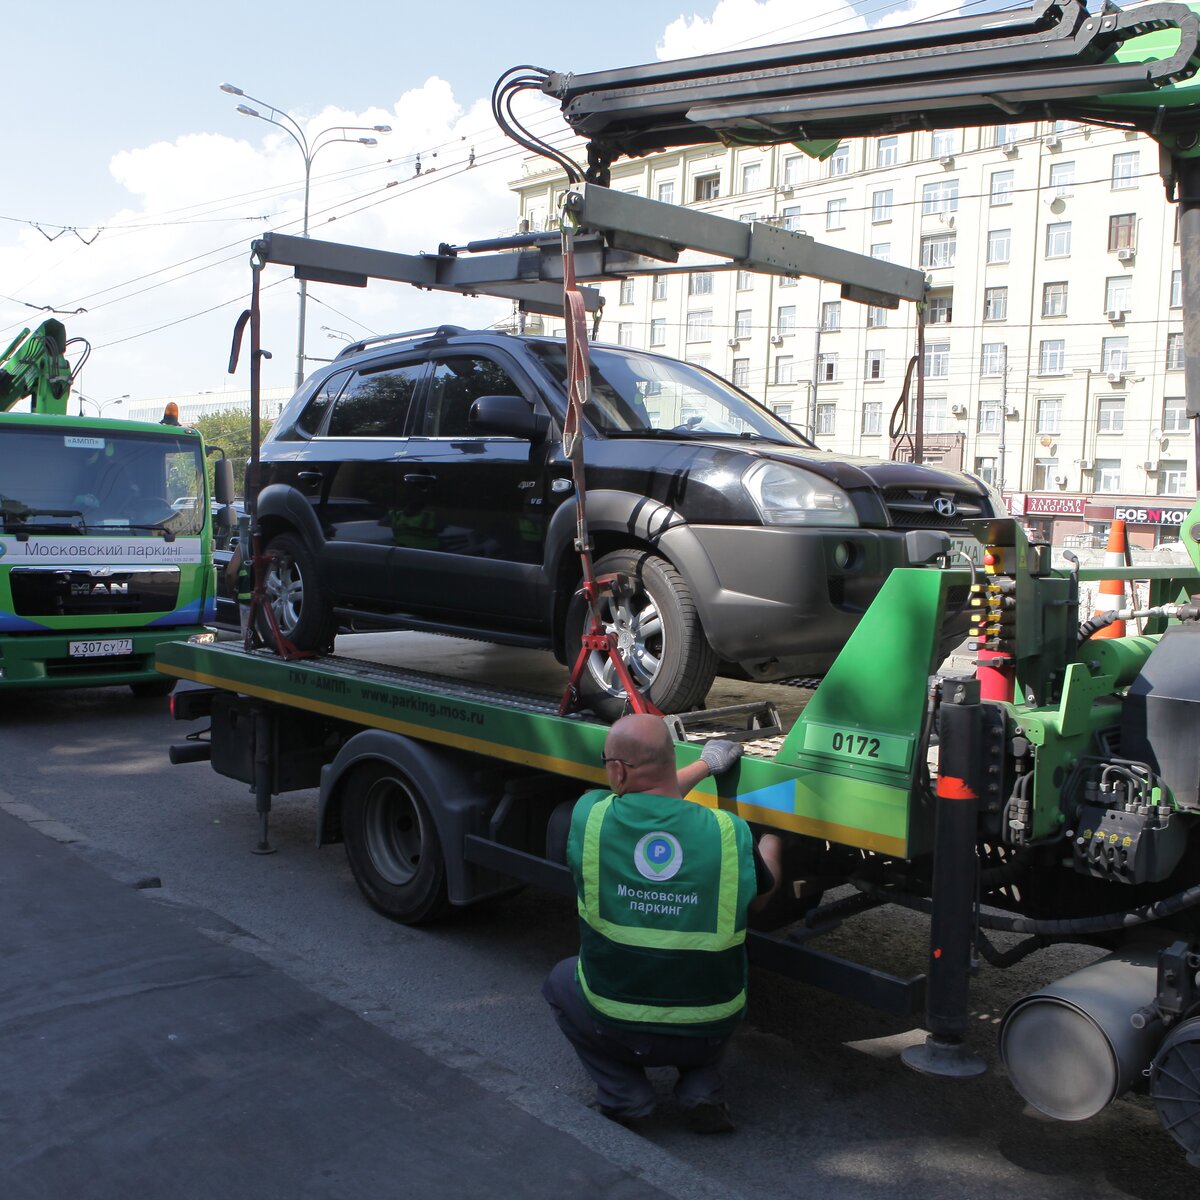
(642, 394)
(102, 483)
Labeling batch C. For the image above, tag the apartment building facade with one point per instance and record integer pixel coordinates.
(1053, 343)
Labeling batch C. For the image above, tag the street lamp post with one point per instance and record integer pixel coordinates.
(101, 405)
(309, 150)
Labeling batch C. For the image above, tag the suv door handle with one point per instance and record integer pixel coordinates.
(309, 477)
(424, 478)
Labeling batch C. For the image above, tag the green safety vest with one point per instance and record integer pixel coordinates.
(663, 888)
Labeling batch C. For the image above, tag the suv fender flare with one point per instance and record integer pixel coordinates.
(455, 790)
(641, 520)
(281, 502)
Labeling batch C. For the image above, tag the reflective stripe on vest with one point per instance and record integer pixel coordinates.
(658, 1013)
(726, 934)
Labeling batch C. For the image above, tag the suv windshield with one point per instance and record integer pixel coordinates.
(57, 480)
(642, 394)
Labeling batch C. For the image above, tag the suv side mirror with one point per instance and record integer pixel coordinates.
(510, 416)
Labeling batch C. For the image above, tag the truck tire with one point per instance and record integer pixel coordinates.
(392, 844)
(294, 592)
(659, 633)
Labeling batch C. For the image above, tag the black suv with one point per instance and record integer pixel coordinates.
(419, 482)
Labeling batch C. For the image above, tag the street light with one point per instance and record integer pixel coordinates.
(337, 335)
(101, 405)
(309, 150)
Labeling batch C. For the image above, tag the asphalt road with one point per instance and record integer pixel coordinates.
(824, 1105)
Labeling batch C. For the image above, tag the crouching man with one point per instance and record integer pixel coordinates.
(664, 887)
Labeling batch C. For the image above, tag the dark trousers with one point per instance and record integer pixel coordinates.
(617, 1058)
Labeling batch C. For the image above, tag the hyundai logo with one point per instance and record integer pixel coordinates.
(944, 506)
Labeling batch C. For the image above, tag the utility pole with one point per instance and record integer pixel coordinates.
(1003, 410)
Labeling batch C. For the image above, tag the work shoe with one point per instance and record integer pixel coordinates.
(631, 1121)
(709, 1118)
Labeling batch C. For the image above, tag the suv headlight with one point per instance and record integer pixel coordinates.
(787, 495)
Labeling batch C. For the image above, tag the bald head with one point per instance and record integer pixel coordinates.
(641, 756)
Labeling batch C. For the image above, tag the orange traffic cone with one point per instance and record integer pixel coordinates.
(1112, 591)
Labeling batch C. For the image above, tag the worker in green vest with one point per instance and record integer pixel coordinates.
(664, 888)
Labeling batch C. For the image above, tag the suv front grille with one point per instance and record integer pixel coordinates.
(917, 508)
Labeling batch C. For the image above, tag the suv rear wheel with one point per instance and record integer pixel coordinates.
(301, 608)
(658, 634)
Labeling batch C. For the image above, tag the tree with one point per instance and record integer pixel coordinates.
(230, 429)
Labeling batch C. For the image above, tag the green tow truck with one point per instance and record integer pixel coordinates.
(106, 532)
(1055, 796)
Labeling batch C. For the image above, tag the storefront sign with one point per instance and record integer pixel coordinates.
(1150, 516)
(1054, 506)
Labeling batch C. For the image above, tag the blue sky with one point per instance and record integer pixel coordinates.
(117, 129)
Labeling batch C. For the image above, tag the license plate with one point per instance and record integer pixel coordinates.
(101, 647)
(970, 547)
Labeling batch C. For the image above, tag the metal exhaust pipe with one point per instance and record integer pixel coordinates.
(1071, 1049)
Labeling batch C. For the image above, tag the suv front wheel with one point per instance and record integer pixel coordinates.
(301, 608)
(658, 635)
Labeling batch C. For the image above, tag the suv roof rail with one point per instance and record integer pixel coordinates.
(432, 331)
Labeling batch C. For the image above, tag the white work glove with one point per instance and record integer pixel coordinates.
(719, 755)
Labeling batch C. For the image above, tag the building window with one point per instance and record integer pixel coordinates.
(1120, 231)
(627, 291)
(937, 360)
(826, 415)
(943, 143)
(985, 468)
(785, 320)
(745, 281)
(876, 317)
(1114, 355)
(886, 151)
(625, 333)
(1049, 414)
(999, 245)
(872, 418)
(940, 310)
(990, 416)
(937, 415)
(881, 251)
(699, 325)
(747, 217)
(1124, 170)
(1108, 474)
(839, 161)
(751, 177)
(793, 170)
(1062, 179)
(1110, 415)
(698, 360)
(707, 187)
(1001, 190)
(940, 196)
(881, 205)
(1052, 357)
(1172, 477)
(1118, 293)
(831, 315)
(785, 369)
(741, 372)
(835, 214)
(995, 304)
(1176, 289)
(993, 359)
(741, 323)
(1058, 239)
(700, 283)
(1174, 415)
(783, 412)
(666, 192)
(791, 218)
(658, 331)
(1054, 299)
(873, 368)
(1045, 471)
(788, 281)
(1004, 136)
(827, 368)
(660, 287)
(937, 250)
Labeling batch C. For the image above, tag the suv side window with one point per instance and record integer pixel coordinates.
(376, 403)
(456, 384)
(314, 412)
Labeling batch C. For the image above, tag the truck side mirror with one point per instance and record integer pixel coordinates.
(509, 416)
(223, 481)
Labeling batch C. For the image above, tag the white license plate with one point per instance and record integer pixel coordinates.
(101, 647)
(968, 546)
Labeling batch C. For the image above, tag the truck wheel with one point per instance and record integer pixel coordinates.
(294, 593)
(393, 845)
(151, 689)
(658, 634)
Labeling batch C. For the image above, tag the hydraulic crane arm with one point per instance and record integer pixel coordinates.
(35, 365)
